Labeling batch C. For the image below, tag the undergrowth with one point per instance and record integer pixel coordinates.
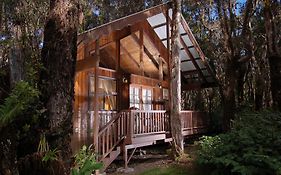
(22, 97)
(252, 147)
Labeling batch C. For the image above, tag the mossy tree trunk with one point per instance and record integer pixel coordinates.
(57, 76)
(175, 82)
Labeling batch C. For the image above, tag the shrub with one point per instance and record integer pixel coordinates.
(251, 147)
(85, 162)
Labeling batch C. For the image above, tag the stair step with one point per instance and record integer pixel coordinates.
(112, 156)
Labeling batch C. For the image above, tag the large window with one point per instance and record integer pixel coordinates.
(140, 98)
(106, 93)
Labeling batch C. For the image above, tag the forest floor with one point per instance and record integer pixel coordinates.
(154, 160)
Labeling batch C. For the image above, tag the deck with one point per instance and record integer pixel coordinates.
(131, 129)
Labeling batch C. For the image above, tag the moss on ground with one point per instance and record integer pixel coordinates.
(170, 170)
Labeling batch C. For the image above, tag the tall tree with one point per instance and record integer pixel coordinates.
(175, 81)
(273, 49)
(57, 77)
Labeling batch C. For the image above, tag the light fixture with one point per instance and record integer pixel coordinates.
(159, 85)
(124, 80)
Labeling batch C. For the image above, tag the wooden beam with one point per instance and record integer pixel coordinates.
(192, 77)
(164, 39)
(193, 60)
(183, 61)
(106, 29)
(155, 40)
(160, 69)
(145, 50)
(132, 58)
(151, 57)
(141, 47)
(129, 55)
(197, 86)
(189, 47)
(85, 64)
(159, 25)
(196, 45)
(118, 74)
(191, 72)
(96, 101)
(118, 35)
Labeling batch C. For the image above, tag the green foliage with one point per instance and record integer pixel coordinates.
(85, 162)
(20, 99)
(50, 155)
(43, 145)
(251, 147)
(44, 149)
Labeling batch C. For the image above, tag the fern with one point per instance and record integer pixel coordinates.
(20, 99)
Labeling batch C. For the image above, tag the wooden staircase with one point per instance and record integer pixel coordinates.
(132, 129)
(111, 136)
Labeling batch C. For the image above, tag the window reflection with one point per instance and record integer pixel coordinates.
(106, 93)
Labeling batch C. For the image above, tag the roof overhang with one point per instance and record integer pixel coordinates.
(196, 72)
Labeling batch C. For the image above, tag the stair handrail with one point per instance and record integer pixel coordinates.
(119, 138)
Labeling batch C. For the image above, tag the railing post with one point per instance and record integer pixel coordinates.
(192, 127)
(132, 125)
(129, 127)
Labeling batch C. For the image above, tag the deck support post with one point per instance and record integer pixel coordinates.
(96, 102)
(125, 154)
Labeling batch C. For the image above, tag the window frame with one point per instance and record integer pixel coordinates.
(103, 95)
(141, 97)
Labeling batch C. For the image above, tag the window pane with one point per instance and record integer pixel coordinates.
(92, 84)
(165, 94)
(110, 103)
(149, 92)
(107, 86)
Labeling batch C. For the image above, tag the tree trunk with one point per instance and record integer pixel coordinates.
(226, 24)
(275, 67)
(175, 83)
(229, 95)
(57, 77)
(273, 54)
(16, 59)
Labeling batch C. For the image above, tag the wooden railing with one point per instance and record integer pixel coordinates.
(139, 126)
(148, 122)
(105, 117)
(194, 121)
(113, 133)
(133, 123)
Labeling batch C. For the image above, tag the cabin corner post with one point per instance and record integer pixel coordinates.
(96, 102)
(118, 75)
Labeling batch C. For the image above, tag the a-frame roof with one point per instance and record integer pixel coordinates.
(153, 24)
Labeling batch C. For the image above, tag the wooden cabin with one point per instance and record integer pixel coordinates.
(122, 83)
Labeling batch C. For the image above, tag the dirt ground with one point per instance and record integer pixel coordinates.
(154, 157)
